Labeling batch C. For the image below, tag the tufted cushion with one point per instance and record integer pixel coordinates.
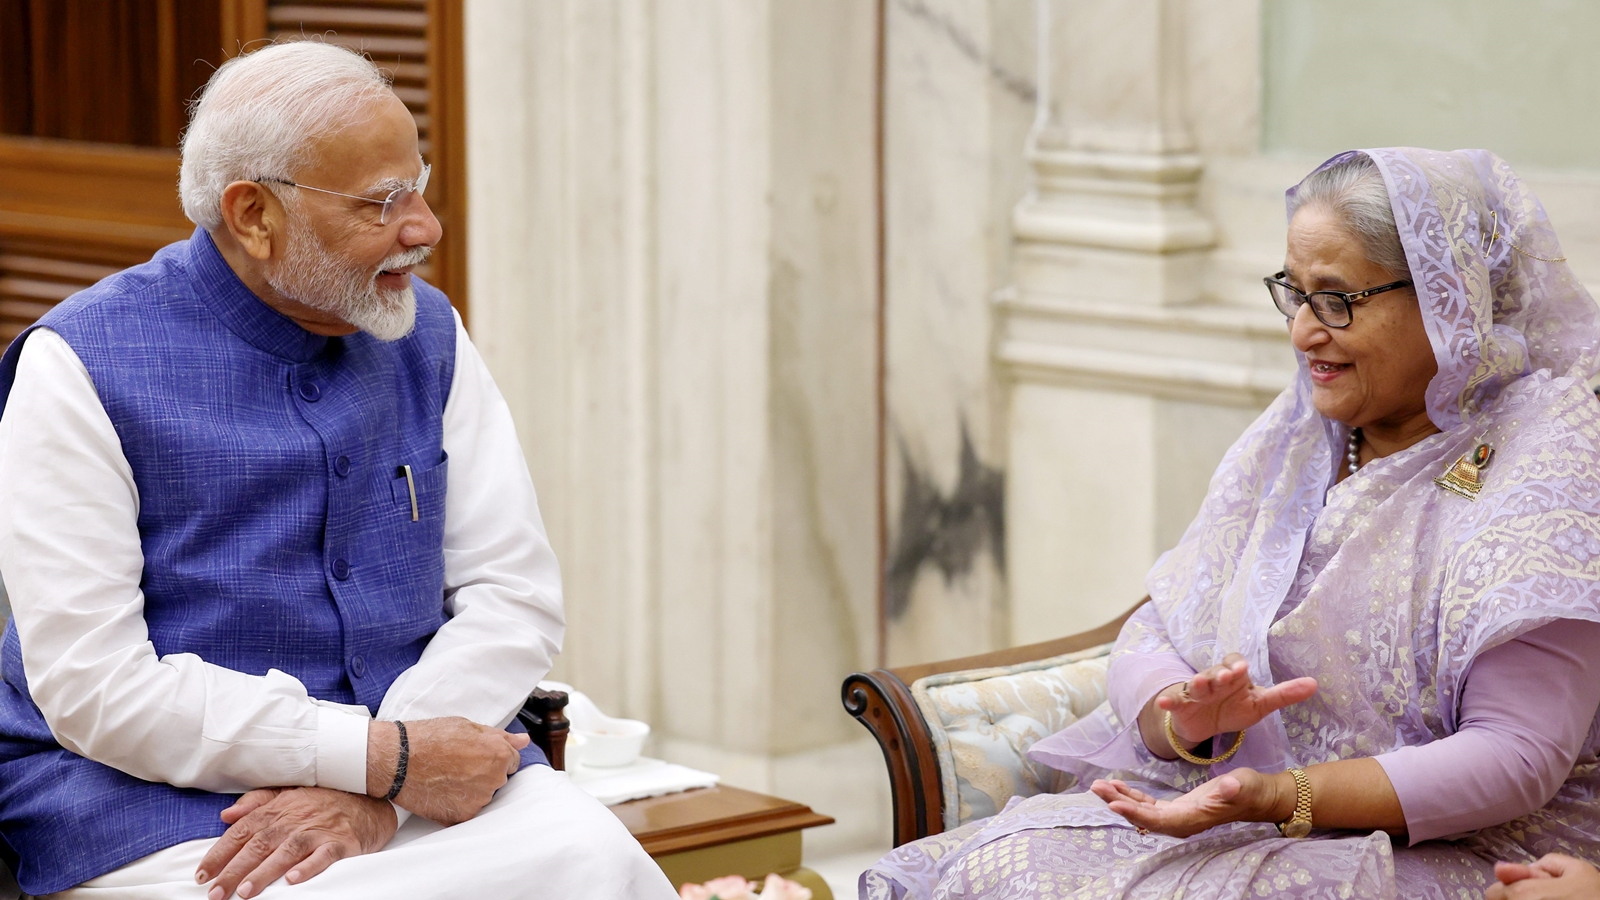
(984, 720)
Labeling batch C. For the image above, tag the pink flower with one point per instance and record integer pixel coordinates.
(779, 888)
(733, 887)
(730, 887)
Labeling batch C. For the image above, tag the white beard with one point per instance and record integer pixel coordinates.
(310, 274)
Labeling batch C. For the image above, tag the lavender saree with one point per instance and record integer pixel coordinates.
(1385, 587)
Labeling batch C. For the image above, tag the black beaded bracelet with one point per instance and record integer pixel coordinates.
(400, 767)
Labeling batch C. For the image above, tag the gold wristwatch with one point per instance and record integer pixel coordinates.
(1299, 824)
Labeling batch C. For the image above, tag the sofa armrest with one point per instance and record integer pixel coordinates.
(882, 701)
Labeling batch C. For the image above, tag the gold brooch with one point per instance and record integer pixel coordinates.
(1465, 476)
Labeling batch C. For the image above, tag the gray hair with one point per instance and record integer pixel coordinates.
(1353, 190)
(262, 113)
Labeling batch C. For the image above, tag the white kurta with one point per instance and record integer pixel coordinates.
(70, 551)
(540, 839)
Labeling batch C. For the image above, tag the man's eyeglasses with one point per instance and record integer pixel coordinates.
(1332, 308)
(394, 200)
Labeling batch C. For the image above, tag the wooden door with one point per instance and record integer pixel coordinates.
(92, 96)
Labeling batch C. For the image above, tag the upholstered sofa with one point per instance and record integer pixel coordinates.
(955, 733)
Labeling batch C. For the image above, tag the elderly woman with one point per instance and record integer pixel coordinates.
(1371, 667)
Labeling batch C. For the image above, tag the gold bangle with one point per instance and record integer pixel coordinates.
(1177, 746)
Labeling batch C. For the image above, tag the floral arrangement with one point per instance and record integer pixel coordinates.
(733, 887)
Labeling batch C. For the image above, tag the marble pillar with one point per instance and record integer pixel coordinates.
(959, 97)
(1126, 379)
(674, 279)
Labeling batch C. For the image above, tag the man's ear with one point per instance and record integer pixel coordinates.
(254, 216)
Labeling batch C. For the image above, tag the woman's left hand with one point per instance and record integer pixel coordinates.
(1242, 795)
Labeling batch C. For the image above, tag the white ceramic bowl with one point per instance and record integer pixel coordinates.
(613, 743)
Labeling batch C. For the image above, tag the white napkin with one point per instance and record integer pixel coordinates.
(644, 778)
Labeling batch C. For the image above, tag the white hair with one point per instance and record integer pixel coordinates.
(261, 114)
(1353, 190)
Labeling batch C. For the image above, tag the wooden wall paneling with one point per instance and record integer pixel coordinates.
(36, 275)
(243, 22)
(94, 77)
(72, 213)
(69, 189)
(108, 71)
(168, 106)
(16, 67)
(198, 47)
(445, 38)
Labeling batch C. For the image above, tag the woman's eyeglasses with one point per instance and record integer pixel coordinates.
(1332, 308)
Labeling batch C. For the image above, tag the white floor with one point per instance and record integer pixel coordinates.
(842, 871)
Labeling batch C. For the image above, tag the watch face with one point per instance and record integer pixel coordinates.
(1295, 829)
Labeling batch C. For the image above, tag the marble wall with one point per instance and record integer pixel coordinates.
(959, 98)
(1514, 75)
(674, 282)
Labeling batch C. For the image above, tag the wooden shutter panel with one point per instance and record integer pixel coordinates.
(72, 212)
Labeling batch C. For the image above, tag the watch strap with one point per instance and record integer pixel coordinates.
(1298, 825)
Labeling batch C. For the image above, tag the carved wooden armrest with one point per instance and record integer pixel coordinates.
(544, 714)
(881, 700)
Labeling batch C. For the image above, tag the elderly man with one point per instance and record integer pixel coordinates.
(276, 567)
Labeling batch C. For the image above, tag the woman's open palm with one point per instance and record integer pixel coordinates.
(1223, 699)
(1228, 798)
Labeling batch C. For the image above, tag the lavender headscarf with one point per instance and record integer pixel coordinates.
(1395, 584)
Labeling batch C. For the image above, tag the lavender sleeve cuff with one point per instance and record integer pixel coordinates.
(1133, 679)
(1113, 741)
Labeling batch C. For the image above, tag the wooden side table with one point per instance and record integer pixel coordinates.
(699, 835)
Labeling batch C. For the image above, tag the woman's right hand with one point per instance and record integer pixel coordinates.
(1219, 700)
(1554, 877)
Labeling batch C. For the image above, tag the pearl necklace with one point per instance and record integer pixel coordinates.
(1352, 450)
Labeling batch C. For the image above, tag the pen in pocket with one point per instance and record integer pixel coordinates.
(411, 486)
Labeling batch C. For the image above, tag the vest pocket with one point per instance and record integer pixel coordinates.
(418, 494)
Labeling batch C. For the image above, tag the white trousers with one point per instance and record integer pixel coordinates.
(541, 838)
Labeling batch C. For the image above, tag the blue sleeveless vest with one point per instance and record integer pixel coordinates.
(275, 530)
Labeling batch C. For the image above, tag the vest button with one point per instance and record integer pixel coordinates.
(310, 392)
(358, 666)
(341, 466)
(341, 569)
